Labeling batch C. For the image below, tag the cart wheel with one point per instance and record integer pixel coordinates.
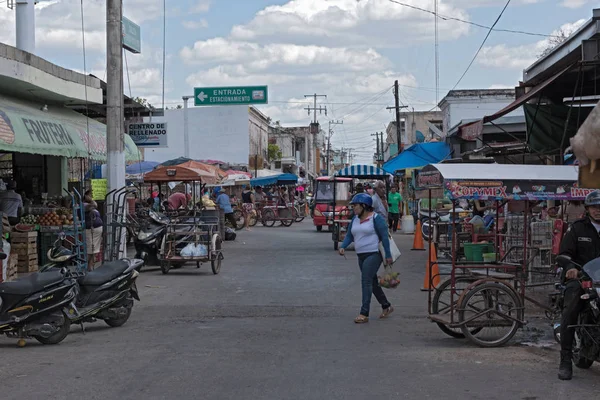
(496, 309)
(268, 218)
(441, 303)
(165, 267)
(239, 220)
(319, 228)
(252, 219)
(197, 264)
(336, 245)
(287, 216)
(216, 245)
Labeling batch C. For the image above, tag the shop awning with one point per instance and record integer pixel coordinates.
(26, 128)
(417, 156)
(281, 179)
(362, 171)
(473, 130)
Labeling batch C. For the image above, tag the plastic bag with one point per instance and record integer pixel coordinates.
(207, 202)
(192, 250)
(390, 279)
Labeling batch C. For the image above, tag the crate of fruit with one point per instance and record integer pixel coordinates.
(24, 249)
(23, 237)
(27, 263)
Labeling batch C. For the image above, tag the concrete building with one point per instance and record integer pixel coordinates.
(459, 105)
(300, 150)
(415, 127)
(258, 156)
(39, 132)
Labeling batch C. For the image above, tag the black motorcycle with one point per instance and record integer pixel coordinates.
(149, 239)
(586, 348)
(105, 293)
(40, 306)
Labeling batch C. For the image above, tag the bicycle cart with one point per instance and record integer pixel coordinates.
(484, 300)
(192, 238)
(270, 212)
(340, 217)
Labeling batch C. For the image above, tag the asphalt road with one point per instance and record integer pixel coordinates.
(277, 323)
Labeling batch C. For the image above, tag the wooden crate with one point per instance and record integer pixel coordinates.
(24, 237)
(27, 263)
(5, 225)
(24, 249)
(11, 268)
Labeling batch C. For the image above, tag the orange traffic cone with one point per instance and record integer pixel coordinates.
(433, 271)
(418, 240)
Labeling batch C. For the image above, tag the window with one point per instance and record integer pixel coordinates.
(6, 166)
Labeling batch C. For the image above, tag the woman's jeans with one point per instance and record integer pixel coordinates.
(369, 264)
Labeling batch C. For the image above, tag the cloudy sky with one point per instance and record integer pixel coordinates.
(350, 50)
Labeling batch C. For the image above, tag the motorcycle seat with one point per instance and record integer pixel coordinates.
(32, 283)
(105, 273)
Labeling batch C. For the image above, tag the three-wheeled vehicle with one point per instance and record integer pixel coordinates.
(192, 234)
(484, 297)
(342, 218)
(325, 207)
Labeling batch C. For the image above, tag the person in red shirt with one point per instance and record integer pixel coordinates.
(179, 200)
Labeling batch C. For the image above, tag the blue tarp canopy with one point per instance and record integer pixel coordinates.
(282, 179)
(140, 168)
(362, 171)
(418, 156)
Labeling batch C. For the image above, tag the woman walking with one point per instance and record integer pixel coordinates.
(366, 230)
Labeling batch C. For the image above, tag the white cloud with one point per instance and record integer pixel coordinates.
(338, 22)
(256, 57)
(520, 57)
(574, 3)
(200, 24)
(201, 6)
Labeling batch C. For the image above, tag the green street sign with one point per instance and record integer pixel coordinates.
(132, 36)
(229, 96)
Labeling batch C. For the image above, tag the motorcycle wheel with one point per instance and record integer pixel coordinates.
(117, 322)
(580, 361)
(165, 267)
(58, 336)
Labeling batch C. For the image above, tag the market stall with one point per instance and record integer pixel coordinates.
(484, 297)
(270, 212)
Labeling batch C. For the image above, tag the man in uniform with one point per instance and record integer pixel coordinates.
(582, 244)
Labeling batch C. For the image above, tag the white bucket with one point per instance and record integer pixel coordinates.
(408, 225)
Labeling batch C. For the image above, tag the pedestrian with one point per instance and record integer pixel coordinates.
(247, 204)
(394, 201)
(179, 200)
(11, 203)
(366, 230)
(224, 203)
(93, 229)
(380, 200)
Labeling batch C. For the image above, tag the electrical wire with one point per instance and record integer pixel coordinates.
(482, 44)
(447, 18)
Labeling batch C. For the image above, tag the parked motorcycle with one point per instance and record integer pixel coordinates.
(586, 348)
(149, 238)
(40, 306)
(105, 293)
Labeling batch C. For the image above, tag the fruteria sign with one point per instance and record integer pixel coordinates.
(151, 134)
(132, 36)
(232, 95)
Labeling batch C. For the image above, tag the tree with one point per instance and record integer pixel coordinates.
(144, 102)
(274, 152)
(553, 41)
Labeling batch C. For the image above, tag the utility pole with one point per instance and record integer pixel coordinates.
(314, 107)
(186, 132)
(329, 140)
(397, 107)
(115, 158)
(377, 154)
(382, 150)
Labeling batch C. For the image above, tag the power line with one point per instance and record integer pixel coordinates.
(482, 44)
(447, 18)
(164, 54)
